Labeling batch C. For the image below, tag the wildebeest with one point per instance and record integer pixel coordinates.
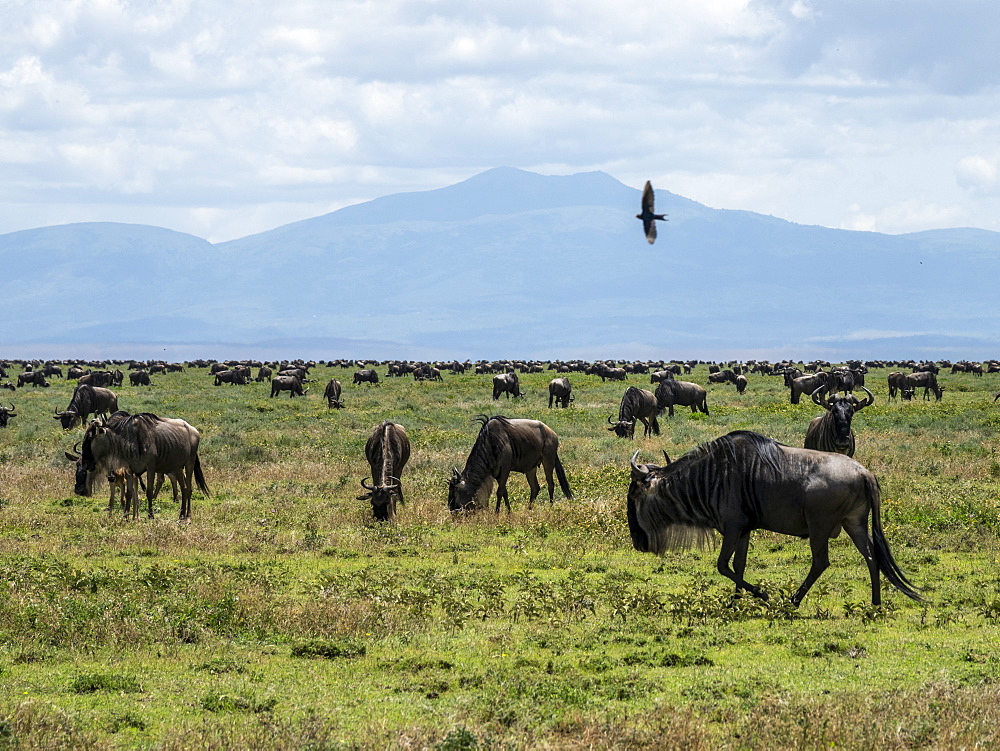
(366, 376)
(5, 414)
(897, 384)
(34, 377)
(637, 404)
(139, 378)
(427, 373)
(146, 445)
(291, 384)
(682, 394)
(263, 374)
(745, 481)
(504, 446)
(506, 383)
(560, 392)
(807, 385)
(832, 431)
(234, 377)
(929, 382)
(387, 451)
(87, 400)
(332, 395)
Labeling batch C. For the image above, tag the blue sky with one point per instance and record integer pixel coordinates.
(227, 118)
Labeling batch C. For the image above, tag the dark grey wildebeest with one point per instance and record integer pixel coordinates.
(832, 431)
(898, 385)
(745, 481)
(332, 395)
(807, 385)
(289, 383)
(504, 446)
(139, 378)
(928, 381)
(560, 392)
(144, 444)
(682, 394)
(367, 375)
(637, 404)
(387, 451)
(6, 414)
(87, 400)
(508, 384)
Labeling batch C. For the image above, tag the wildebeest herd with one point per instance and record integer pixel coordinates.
(733, 485)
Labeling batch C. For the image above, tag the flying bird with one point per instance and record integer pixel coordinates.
(648, 217)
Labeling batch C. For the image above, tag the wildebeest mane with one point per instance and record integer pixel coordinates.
(486, 451)
(712, 476)
(630, 404)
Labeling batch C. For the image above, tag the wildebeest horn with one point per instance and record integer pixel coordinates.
(366, 486)
(610, 421)
(666, 457)
(821, 401)
(642, 469)
(866, 402)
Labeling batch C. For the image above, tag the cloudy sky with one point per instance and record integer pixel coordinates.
(227, 117)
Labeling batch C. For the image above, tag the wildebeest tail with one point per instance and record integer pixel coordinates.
(563, 482)
(880, 547)
(199, 477)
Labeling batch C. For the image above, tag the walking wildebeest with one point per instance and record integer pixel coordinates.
(87, 400)
(147, 445)
(560, 392)
(683, 394)
(366, 376)
(831, 431)
(637, 404)
(387, 451)
(745, 481)
(332, 395)
(508, 384)
(504, 446)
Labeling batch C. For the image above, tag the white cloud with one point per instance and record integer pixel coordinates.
(845, 113)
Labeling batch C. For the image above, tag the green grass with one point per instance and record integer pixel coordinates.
(283, 616)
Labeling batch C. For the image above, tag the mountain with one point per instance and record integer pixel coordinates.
(506, 263)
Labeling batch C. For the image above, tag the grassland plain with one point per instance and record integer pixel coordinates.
(283, 616)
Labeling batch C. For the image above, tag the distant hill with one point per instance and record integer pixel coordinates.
(506, 263)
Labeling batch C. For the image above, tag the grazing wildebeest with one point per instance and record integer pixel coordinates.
(34, 377)
(427, 373)
(366, 376)
(144, 444)
(139, 378)
(5, 414)
(504, 446)
(897, 384)
(291, 384)
(387, 451)
(332, 395)
(745, 481)
(87, 400)
(683, 394)
(807, 385)
(263, 374)
(508, 384)
(637, 404)
(235, 377)
(928, 380)
(831, 431)
(741, 384)
(560, 392)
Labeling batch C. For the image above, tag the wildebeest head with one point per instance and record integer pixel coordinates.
(459, 493)
(622, 428)
(842, 410)
(6, 413)
(83, 481)
(67, 418)
(643, 478)
(382, 498)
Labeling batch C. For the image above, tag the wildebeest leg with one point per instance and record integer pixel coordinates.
(532, 477)
(502, 490)
(547, 467)
(150, 482)
(819, 544)
(858, 532)
(735, 543)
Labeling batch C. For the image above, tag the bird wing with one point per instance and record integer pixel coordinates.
(647, 198)
(649, 225)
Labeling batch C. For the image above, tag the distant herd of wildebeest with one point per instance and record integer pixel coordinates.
(733, 485)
